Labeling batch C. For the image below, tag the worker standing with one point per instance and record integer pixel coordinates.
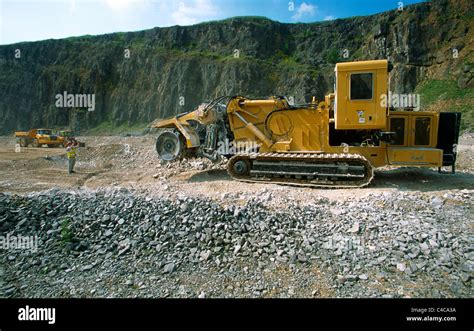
(71, 154)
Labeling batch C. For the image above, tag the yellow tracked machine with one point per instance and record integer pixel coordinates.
(336, 142)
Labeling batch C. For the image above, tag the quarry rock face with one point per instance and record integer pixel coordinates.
(139, 76)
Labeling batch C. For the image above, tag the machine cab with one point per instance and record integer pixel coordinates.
(360, 88)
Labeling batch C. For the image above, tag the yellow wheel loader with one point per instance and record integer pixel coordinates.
(38, 138)
(336, 142)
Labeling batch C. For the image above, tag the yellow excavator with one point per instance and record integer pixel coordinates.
(336, 142)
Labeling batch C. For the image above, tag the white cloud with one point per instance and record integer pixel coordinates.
(329, 18)
(304, 10)
(194, 11)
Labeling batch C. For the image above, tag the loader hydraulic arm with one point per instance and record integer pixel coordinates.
(252, 128)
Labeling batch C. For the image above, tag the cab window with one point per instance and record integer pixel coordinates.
(361, 86)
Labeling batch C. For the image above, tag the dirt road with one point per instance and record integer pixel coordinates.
(131, 162)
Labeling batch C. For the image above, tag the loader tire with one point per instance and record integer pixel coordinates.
(170, 145)
(35, 143)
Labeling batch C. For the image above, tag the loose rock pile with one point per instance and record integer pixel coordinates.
(126, 243)
(136, 153)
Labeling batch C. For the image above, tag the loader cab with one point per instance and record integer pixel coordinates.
(358, 93)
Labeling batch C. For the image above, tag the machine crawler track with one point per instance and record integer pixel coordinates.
(302, 169)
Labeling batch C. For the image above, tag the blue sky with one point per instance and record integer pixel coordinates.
(30, 20)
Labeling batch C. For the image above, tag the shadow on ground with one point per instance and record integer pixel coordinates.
(210, 176)
(421, 179)
(404, 179)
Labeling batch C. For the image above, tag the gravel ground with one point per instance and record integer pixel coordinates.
(126, 225)
(132, 243)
